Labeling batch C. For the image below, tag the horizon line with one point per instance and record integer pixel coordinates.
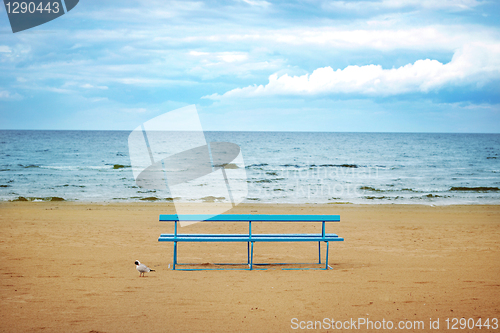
(262, 131)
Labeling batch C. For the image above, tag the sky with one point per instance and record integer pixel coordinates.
(255, 65)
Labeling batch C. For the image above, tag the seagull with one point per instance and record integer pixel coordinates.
(142, 268)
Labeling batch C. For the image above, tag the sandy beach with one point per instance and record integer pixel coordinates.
(69, 267)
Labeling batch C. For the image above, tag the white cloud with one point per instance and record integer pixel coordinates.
(258, 3)
(475, 63)
(5, 49)
(209, 65)
(147, 82)
(232, 57)
(90, 86)
(197, 53)
(8, 96)
(422, 38)
(54, 89)
(432, 4)
(375, 35)
(453, 5)
(218, 56)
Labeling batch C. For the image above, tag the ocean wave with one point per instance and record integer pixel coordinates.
(373, 189)
(68, 185)
(297, 166)
(149, 199)
(156, 199)
(227, 166)
(339, 203)
(39, 199)
(211, 198)
(260, 181)
(339, 165)
(29, 166)
(256, 165)
(430, 195)
(72, 167)
(75, 167)
(120, 166)
(231, 166)
(369, 188)
(475, 189)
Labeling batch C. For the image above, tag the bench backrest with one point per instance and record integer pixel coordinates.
(250, 217)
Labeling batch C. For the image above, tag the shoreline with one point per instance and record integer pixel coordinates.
(168, 202)
(69, 266)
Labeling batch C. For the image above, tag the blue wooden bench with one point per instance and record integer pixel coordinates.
(250, 238)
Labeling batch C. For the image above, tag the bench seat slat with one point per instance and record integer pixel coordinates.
(249, 239)
(250, 217)
(246, 235)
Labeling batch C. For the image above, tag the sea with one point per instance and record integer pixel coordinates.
(281, 167)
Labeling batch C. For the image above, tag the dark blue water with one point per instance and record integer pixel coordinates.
(295, 167)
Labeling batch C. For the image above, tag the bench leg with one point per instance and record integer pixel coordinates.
(248, 253)
(319, 252)
(251, 257)
(327, 248)
(175, 255)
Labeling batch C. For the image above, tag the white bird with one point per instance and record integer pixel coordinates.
(142, 268)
